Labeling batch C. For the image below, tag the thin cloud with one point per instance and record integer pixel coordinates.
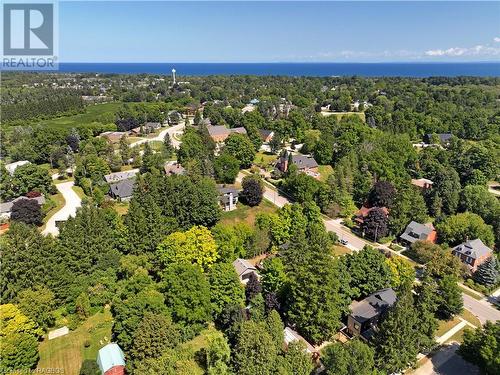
(496, 39)
(479, 50)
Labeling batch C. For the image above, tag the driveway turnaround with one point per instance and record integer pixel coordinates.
(173, 130)
(72, 202)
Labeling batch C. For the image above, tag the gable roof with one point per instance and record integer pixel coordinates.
(239, 130)
(110, 356)
(215, 130)
(6, 207)
(421, 182)
(373, 305)
(290, 335)
(304, 161)
(225, 190)
(123, 188)
(473, 248)
(416, 231)
(242, 266)
(11, 167)
(173, 167)
(119, 176)
(443, 137)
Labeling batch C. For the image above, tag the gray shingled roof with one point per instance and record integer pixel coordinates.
(119, 176)
(123, 188)
(241, 266)
(473, 248)
(373, 305)
(6, 207)
(416, 231)
(303, 161)
(223, 190)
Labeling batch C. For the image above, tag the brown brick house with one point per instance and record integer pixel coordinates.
(472, 253)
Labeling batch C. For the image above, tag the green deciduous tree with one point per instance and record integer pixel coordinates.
(226, 168)
(240, 146)
(217, 354)
(482, 347)
(450, 297)
(354, 357)
(19, 336)
(255, 352)
(37, 303)
(225, 288)
(187, 295)
(195, 245)
(460, 227)
(369, 272)
(296, 360)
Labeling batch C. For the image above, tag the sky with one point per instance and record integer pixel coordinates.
(278, 31)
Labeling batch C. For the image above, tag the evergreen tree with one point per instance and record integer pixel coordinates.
(125, 151)
(275, 329)
(168, 148)
(450, 301)
(426, 303)
(397, 342)
(487, 273)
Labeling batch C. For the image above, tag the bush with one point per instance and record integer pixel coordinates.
(386, 239)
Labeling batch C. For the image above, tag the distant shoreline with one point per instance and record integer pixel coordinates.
(294, 69)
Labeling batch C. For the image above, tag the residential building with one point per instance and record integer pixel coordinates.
(113, 137)
(418, 232)
(244, 269)
(365, 314)
(119, 176)
(290, 335)
(173, 167)
(359, 217)
(11, 167)
(150, 127)
(305, 164)
(228, 197)
(122, 190)
(444, 138)
(219, 133)
(266, 135)
(111, 360)
(422, 183)
(472, 253)
(6, 207)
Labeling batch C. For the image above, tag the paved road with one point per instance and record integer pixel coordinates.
(171, 130)
(481, 308)
(72, 202)
(446, 362)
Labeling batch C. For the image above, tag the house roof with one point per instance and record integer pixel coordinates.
(153, 124)
(421, 182)
(110, 356)
(443, 137)
(364, 211)
(264, 133)
(473, 248)
(122, 188)
(223, 190)
(239, 130)
(11, 167)
(172, 167)
(241, 266)
(416, 231)
(373, 305)
(290, 335)
(119, 176)
(6, 207)
(215, 130)
(304, 161)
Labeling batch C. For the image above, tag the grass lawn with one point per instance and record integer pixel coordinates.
(445, 325)
(121, 207)
(59, 203)
(325, 171)
(477, 295)
(93, 113)
(79, 191)
(68, 352)
(339, 250)
(339, 115)
(264, 159)
(246, 213)
(470, 317)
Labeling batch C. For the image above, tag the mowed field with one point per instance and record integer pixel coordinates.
(68, 352)
(103, 113)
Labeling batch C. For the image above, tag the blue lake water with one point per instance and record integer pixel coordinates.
(294, 69)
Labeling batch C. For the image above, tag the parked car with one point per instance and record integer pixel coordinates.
(344, 242)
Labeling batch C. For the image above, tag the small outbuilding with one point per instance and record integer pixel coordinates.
(244, 269)
(111, 360)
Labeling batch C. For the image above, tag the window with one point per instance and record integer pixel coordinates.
(356, 326)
